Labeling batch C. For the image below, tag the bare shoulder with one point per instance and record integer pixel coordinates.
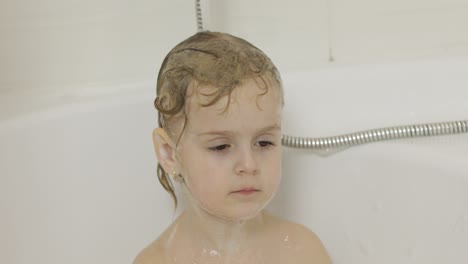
(152, 254)
(301, 243)
(314, 249)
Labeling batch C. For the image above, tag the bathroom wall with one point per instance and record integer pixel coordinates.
(362, 31)
(77, 80)
(60, 47)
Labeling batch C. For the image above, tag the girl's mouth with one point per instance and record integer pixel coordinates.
(246, 191)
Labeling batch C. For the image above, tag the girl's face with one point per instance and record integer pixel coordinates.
(231, 160)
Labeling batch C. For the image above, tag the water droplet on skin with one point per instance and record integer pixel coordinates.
(287, 242)
(214, 253)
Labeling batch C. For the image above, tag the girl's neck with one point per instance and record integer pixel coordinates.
(219, 236)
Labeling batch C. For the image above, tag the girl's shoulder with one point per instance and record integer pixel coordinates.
(297, 241)
(156, 251)
(153, 253)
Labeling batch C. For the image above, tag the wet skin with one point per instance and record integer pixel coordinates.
(230, 162)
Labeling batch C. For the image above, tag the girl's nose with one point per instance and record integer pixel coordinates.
(246, 163)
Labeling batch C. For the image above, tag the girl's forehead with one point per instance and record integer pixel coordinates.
(242, 115)
(198, 97)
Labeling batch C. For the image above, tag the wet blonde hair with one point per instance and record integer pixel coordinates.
(212, 59)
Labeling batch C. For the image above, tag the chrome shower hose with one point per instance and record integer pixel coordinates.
(374, 135)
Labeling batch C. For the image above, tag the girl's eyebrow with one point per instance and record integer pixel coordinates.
(218, 132)
(269, 128)
(230, 133)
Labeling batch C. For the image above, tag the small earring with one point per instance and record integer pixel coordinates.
(175, 176)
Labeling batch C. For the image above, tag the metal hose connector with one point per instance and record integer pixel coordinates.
(198, 11)
(338, 143)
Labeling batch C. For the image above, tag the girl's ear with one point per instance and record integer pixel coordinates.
(165, 149)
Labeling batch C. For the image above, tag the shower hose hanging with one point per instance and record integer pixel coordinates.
(337, 143)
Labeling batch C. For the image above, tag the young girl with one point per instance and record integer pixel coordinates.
(219, 100)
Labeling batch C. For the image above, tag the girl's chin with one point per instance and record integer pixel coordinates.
(232, 212)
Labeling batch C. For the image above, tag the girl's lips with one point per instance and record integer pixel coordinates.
(246, 191)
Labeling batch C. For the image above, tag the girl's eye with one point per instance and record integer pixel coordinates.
(265, 143)
(220, 147)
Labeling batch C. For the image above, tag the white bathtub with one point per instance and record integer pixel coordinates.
(78, 181)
